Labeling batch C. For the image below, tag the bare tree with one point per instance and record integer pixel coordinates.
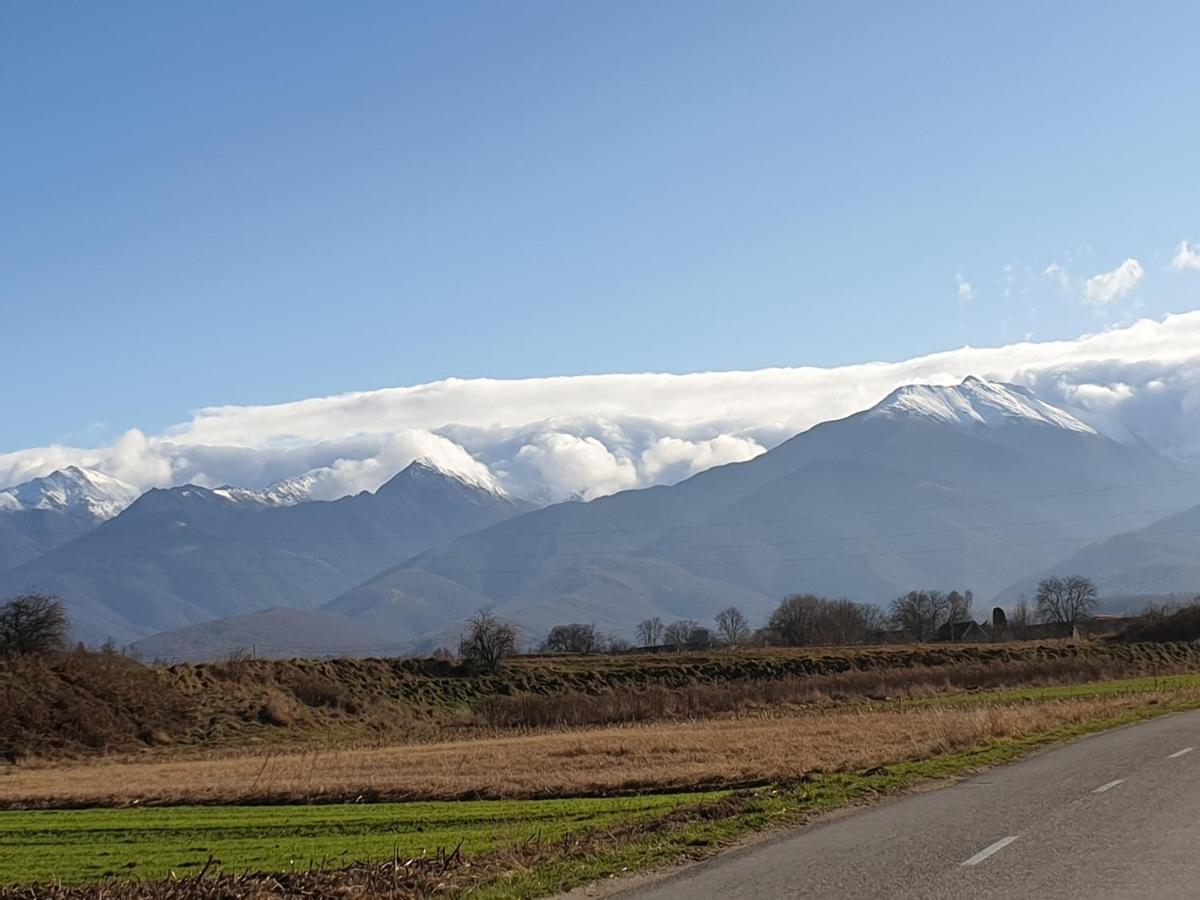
(650, 632)
(574, 638)
(795, 621)
(958, 608)
(616, 645)
(875, 622)
(677, 632)
(921, 613)
(845, 622)
(732, 627)
(488, 640)
(1020, 620)
(805, 619)
(32, 623)
(1066, 601)
(688, 634)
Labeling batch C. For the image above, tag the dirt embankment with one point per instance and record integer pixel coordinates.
(88, 704)
(602, 761)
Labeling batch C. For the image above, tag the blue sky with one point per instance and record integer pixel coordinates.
(231, 203)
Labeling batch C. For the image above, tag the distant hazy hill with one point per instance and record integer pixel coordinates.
(1160, 559)
(47, 512)
(972, 486)
(278, 633)
(189, 555)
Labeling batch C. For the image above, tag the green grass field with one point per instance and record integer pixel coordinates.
(88, 845)
(1045, 693)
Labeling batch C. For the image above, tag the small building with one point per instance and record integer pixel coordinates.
(965, 632)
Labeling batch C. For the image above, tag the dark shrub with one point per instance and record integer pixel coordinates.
(32, 624)
(1160, 626)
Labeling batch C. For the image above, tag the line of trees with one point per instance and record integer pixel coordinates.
(810, 620)
(800, 620)
(38, 624)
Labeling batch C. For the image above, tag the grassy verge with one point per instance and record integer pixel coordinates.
(1045, 693)
(787, 805)
(88, 845)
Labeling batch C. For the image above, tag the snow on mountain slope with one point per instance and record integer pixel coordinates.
(426, 467)
(308, 486)
(972, 485)
(976, 402)
(288, 492)
(102, 496)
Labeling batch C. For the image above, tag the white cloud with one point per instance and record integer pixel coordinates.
(965, 292)
(591, 435)
(1008, 280)
(353, 474)
(1059, 275)
(570, 466)
(1187, 257)
(1108, 287)
(671, 459)
(1101, 397)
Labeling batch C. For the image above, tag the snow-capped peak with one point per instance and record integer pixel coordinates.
(315, 485)
(73, 487)
(288, 492)
(976, 402)
(481, 480)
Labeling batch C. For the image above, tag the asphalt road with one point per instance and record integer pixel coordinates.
(1111, 815)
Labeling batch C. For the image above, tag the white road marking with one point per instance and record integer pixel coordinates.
(989, 850)
(1109, 786)
(1179, 753)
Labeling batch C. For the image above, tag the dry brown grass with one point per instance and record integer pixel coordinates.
(660, 702)
(671, 756)
(81, 704)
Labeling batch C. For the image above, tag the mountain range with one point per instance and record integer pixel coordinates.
(979, 486)
(186, 555)
(972, 486)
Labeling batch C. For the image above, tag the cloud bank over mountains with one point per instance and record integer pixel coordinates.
(586, 436)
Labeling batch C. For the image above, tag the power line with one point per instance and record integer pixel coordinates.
(822, 540)
(651, 563)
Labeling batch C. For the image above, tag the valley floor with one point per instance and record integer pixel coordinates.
(689, 787)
